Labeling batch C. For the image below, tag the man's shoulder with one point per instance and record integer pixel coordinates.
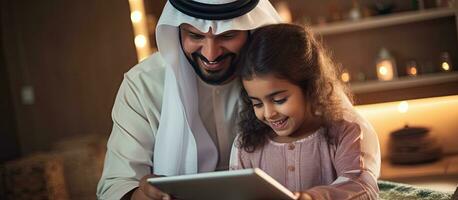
(151, 69)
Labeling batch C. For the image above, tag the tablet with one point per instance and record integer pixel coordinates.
(245, 184)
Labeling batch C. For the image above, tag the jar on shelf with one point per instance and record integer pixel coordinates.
(445, 62)
(355, 11)
(412, 68)
(386, 66)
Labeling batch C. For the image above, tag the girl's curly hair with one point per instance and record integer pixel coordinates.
(289, 52)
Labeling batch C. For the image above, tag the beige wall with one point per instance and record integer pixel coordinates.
(440, 114)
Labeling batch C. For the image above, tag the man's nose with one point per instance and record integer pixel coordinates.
(211, 49)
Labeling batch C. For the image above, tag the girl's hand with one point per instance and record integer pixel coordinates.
(303, 196)
(146, 191)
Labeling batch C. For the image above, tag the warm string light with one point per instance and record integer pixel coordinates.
(411, 68)
(141, 41)
(345, 77)
(445, 66)
(136, 16)
(445, 62)
(413, 71)
(386, 66)
(403, 107)
(383, 70)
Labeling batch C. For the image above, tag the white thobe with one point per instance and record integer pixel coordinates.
(136, 115)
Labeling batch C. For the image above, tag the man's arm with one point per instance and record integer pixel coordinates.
(135, 115)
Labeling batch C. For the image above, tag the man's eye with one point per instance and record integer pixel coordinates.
(195, 36)
(280, 101)
(227, 36)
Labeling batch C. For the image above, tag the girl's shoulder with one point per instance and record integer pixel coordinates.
(343, 129)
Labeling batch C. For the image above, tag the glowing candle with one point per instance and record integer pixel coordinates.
(412, 68)
(345, 76)
(446, 62)
(386, 66)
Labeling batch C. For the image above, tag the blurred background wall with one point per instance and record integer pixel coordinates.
(61, 63)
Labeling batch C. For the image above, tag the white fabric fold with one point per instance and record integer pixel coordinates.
(183, 145)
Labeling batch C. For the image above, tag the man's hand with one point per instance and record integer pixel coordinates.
(146, 191)
(303, 196)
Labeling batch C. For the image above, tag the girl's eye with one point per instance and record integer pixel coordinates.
(257, 105)
(280, 101)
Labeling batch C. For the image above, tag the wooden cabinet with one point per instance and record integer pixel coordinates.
(428, 85)
(410, 35)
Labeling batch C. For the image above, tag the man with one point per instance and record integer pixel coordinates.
(175, 111)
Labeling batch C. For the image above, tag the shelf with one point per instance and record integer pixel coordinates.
(436, 175)
(404, 82)
(382, 21)
(437, 168)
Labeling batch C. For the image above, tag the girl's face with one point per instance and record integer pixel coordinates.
(281, 105)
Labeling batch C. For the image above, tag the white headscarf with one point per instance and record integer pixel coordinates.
(183, 145)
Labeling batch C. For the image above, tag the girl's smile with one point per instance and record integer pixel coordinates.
(279, 124)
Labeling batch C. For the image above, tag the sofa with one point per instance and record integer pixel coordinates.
(73, 167)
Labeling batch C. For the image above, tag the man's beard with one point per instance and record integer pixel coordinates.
(214, 77)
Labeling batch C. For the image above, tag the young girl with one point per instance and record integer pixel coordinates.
(297, 123)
